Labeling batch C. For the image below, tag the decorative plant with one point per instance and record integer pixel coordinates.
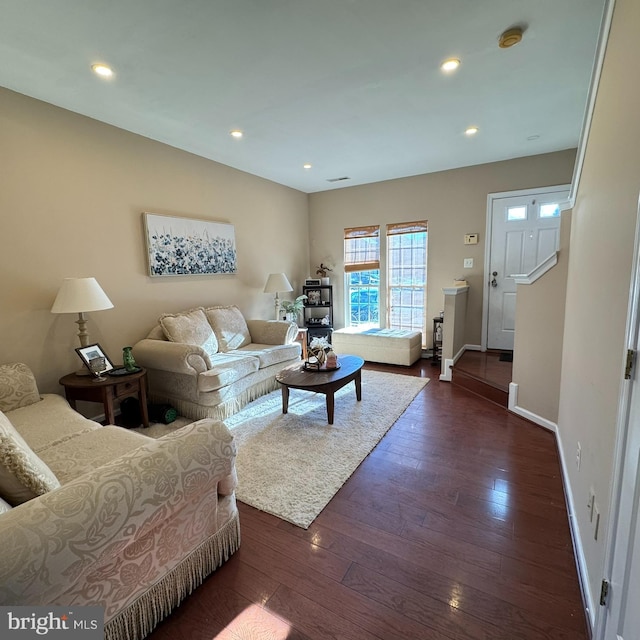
(293, 306)
(323, 270)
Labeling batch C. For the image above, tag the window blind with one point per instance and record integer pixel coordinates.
(361, 248)
(406, 227)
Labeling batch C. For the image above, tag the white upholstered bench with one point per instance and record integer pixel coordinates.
(390, 346)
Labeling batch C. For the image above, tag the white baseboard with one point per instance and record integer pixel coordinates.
(573, 522)
(445, 376)
(525, 413)
(447, 363)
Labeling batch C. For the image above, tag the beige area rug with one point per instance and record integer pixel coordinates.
(292, 465)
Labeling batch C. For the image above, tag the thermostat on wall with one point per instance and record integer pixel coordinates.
(471, 238)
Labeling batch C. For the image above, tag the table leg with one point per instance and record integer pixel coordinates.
(330, 406)
(107, 401)
(358, 382)
(142, 401)
(285, 398)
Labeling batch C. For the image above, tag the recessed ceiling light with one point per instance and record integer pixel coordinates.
(450, 65)
(306, 165)
(471, 131)
(236, 133)
(102, 70)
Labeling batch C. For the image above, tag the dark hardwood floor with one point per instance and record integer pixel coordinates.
(454, 527)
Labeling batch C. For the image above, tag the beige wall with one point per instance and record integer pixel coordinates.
(537, 356)
(600, 265)
(72, 193)
(454, 203)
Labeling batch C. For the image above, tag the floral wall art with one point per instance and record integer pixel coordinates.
(186, 246)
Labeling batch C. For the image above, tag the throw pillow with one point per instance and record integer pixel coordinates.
(190, 327)
(22, 474)
(229, 326)
(18, 387)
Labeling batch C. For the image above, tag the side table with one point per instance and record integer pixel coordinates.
(113, 388)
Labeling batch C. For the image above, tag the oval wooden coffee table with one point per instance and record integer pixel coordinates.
(327, 382)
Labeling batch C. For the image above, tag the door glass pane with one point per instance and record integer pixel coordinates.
(549, 210)
(516, 213)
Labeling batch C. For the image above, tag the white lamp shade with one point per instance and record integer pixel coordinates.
(77, 295)
(277, 282)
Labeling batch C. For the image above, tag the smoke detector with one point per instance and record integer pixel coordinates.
(510, 38)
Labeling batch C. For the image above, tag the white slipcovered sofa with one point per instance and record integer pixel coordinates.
(209, 362)
(93, 515)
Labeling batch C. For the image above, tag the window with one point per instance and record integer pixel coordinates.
(362, 273)
(549, 210)
(407, 276)
(516, 213)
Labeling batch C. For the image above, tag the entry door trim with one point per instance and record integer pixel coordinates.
(487, 245)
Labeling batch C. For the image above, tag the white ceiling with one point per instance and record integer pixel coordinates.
(352, 86)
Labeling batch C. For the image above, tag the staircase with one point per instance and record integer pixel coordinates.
(485, 374)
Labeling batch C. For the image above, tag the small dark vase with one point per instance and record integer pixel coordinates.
(128, 360)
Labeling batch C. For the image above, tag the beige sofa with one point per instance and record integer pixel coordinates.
(210, 362)
(95, 515)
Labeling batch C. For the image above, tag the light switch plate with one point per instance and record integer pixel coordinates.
(471, 238)
(468, 263)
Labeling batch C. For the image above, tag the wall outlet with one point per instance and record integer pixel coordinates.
(468, 263)
(578, 456)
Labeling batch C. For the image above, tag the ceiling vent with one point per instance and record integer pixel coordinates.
(338, 179)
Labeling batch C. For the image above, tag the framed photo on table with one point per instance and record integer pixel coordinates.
(88, 353)
(314, 296)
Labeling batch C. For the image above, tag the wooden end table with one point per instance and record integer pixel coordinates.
(87, 388)
(327, 382)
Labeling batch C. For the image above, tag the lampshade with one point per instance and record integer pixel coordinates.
(277, 282)
(77, 295)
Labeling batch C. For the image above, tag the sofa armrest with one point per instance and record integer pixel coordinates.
(272, 331)
(176, 357)
(52, 542)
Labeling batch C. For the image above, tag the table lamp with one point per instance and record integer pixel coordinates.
(277, 282)
(81, 295)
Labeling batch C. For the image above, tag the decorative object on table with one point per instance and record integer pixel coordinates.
(98, 366)
(128, 360)
(179, 246)
(81, 295)
(318, 348)
(293, 308)
(323, 271)
(312, 282)
(332, 359)
(314, 296)
(94, 352)
(277, 283)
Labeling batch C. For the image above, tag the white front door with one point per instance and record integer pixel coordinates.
(525, 231)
